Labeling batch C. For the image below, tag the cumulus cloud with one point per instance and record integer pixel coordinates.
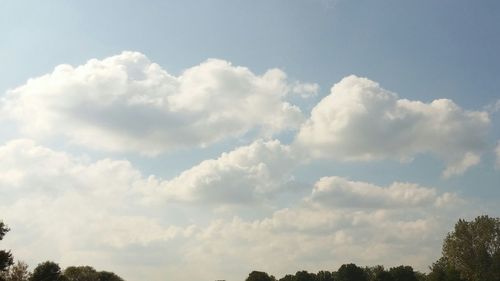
(127, 103)
(339, 192)
(361, 121)
(247, 174)
(74, 210)
(79, 211)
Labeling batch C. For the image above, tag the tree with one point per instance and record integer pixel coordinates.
(351, 272)
(403, 273)
(441, 270)
(81, 273)
(304, 276)
(473, 249)
(324, 276)
(288, 277)
(258, 276)
(384, 276)
(6, 259)
(47, 271)
(108, 276)
(18, 272)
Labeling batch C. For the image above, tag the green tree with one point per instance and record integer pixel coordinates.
(324, 276)
(403, 273)
(384, 276)
(441, 270)
(81, 273)
(351, 272)
(47, 271)
(473, 248)
(373, 271)
(304, 276)
(258, 276)
(288, 277)
(6, 259)
(108, 276)
(18, 272)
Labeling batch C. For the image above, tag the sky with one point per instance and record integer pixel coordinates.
(201, 140)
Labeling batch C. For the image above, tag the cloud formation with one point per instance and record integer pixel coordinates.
(360, 121)
(75, 210)
(339, 192)
(247, 174)
(127, 103)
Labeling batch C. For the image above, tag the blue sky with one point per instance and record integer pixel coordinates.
(410, 142)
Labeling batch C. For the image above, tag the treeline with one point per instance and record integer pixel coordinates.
(347, 272)
(47, 271)
(471, 252)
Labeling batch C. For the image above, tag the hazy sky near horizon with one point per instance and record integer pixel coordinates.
(201, 140)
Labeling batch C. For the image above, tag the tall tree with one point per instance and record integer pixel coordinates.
(6, 259)
(473, 248)
(47, 271)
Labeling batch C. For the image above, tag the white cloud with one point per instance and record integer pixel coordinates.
(246, 174)
(127, 103)
(77, 211)
(339, 192)
(361, 121)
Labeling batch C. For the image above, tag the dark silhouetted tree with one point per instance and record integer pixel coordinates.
(258, 276)
(304, 276)
(351, 272)
(403, 273)
(383, 276)
(108, 276)
(473, 249)
(372, 271)
(47, 271)
(288, 277)
(6, 259)
(324, 276)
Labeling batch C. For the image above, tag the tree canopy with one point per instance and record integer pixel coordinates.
(6, 259)
(473, 249)
(47, 271)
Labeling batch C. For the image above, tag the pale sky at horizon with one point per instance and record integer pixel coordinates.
(201, 140)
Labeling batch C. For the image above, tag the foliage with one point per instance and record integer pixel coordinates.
(18, 272)
(288, 277)
(81, 273)
(324, 276)
(6, 259)
(258, 276)
(403, 273)
(442, 270)
(473, 248)
(108, 276)
(47, 271)
(351, 272)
